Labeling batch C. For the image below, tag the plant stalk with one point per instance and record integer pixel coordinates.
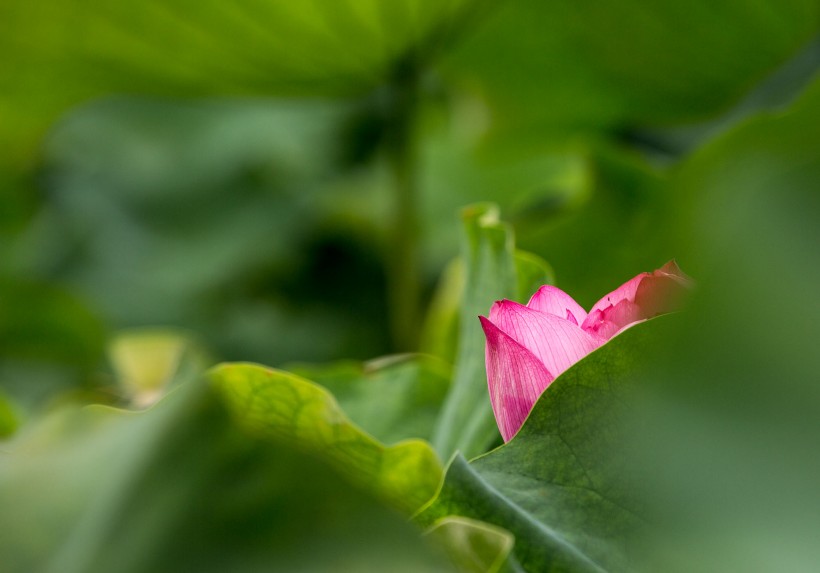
(404, 284)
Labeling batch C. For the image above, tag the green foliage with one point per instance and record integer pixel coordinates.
(276, 182)
(209, 216)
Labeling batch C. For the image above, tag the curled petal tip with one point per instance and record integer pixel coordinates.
(672, 270)
(552, 300)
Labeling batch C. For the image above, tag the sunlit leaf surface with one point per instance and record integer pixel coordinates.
(284, 407)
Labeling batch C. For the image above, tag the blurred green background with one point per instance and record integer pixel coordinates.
(282, 179)
(279, 182)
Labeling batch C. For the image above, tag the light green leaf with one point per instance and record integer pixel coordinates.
(181, 487)
(287, 408)
(492, 273)
(439, 335)
(8, 417)
(475, 546)
(148, 362)
(392, 398)
(558, 485)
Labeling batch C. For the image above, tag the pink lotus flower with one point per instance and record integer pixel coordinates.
(529, 346)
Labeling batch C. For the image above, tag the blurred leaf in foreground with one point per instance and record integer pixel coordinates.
(734, 436)
(182, 487)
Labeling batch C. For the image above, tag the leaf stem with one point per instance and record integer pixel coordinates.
(404, 286)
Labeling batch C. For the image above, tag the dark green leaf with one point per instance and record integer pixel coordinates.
(559, 485)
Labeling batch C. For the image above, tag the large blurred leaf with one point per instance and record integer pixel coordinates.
(596, 65)
(393, 398)
(493, 271)
(181, 487)
(734, 437)
(284, 407)
(559, 485)
(62, 52)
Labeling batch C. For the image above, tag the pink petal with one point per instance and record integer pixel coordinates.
(515, 378)
(662, 290)
(671, 268)
(645, 296)
(556, 342)
(624, 292)
(553, 300)
(608, 322)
